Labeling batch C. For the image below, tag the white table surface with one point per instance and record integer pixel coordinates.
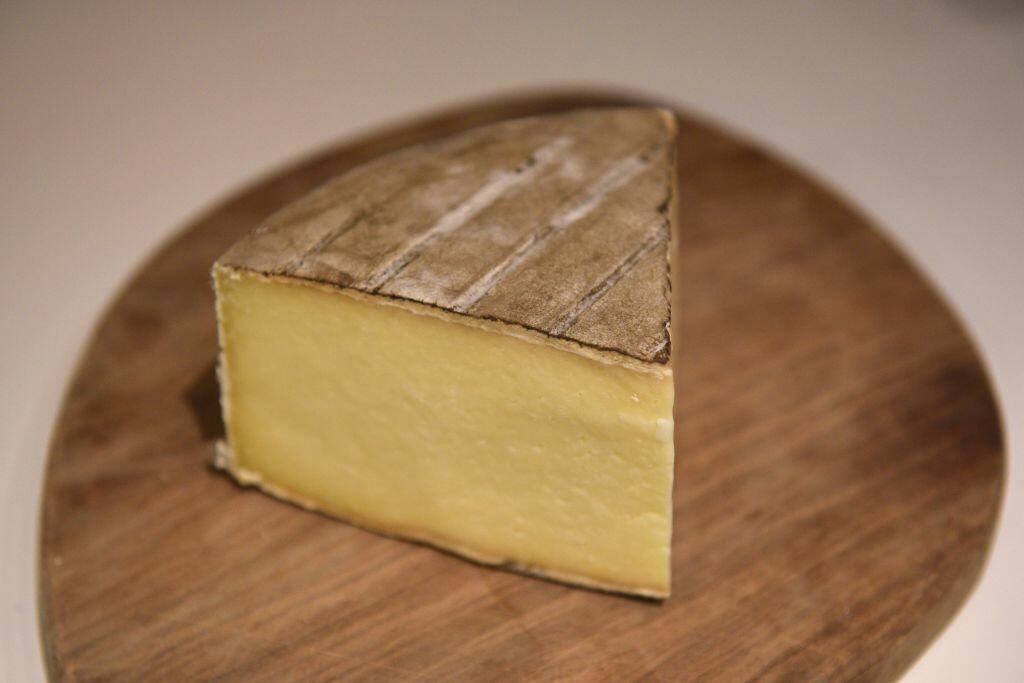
(120, 122)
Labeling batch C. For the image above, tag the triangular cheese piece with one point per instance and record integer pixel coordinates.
(466, 343)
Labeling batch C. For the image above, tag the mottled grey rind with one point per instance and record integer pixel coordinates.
(560, 224)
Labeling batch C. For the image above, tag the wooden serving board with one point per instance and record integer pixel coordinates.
(839, 474)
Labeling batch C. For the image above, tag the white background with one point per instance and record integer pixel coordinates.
(120, 122)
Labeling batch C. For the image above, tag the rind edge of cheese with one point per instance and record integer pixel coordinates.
(555, 227)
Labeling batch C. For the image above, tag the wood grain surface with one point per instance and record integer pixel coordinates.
(839, 473)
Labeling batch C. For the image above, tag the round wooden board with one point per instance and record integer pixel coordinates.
(839, 474)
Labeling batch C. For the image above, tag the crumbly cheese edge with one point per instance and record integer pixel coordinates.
(225, 460)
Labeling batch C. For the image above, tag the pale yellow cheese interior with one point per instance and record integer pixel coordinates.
(502, 448)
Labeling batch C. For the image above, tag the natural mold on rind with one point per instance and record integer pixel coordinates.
(397, 227)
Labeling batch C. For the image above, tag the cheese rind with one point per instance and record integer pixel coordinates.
(519, 221)
(484, 369)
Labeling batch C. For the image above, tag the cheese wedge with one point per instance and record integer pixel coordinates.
(466, 343)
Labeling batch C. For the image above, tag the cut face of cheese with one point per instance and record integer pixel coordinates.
(491, 376)
(493, 445)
